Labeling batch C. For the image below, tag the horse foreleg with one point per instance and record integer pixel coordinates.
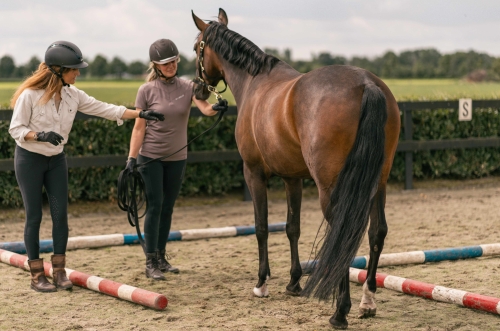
(257, 185)
(376, 235)
(293, 187)
(339, 319)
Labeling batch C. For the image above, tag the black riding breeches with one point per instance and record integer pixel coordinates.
(33, 172)
(163, 181)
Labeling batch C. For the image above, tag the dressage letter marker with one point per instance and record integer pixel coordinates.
(133, 239)
(430, 291)
(418, 257)
(465, 109)
(101, 285)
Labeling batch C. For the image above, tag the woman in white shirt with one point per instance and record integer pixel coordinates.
(45, 106)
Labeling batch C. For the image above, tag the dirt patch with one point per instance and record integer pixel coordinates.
(214, 288)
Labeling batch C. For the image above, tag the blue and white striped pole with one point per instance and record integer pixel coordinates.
(132, 239)
(418, 257)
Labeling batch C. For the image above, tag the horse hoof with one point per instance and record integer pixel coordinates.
(293, 290)
(367, 312)
(261, 292)
(339, 325)
(292, 293)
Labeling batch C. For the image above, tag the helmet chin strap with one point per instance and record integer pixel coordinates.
(159, 73)
(58, 74)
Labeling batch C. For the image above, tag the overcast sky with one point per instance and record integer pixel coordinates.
(126, 28)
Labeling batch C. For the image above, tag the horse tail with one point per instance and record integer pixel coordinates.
(350, 202)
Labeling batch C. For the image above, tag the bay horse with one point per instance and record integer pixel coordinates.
(338, 125)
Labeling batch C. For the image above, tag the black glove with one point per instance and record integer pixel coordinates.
(49, 137)
(221, 105)
(151, 115)
(131, 164)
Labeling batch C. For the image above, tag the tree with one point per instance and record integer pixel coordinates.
(186, 67)
(388, 65)
(33, 64)
(495, 67)
(136, 68)
(363, 62)
(27, 69)
(99, 67)
(7, 66)
(326, 59)
(117, 67)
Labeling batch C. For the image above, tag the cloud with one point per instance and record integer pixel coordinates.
(126, 28)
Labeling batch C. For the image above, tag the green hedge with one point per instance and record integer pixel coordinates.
(102, 137)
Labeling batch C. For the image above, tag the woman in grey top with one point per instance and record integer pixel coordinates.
(45, 105)
(170, 96)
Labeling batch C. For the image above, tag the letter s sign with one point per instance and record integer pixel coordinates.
(465, 109)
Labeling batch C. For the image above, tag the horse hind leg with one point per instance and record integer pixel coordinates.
(376, 235)
(257, 185)
(339, 318)
(293, 187)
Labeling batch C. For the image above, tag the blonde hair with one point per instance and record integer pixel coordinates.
(153, 71)
(41, 79)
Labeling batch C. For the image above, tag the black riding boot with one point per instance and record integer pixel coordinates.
(152, 269)
(164, 265)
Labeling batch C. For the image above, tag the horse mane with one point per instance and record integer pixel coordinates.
(238, 50)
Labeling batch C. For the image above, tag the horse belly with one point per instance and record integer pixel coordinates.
(267, 149)
(286, 161)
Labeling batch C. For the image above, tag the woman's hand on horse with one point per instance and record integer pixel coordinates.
(220, 106)
(151, 115)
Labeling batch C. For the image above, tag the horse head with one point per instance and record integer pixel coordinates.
(209, 70)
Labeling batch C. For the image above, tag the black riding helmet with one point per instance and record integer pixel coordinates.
(163, 51)
(65, 55)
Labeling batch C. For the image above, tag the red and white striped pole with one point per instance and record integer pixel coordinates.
(430, 291)
(94, 283)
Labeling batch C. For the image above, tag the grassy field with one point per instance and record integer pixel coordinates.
(441, 89)
(124, 92)
(116, 92)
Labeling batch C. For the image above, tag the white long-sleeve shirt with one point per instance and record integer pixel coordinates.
(30, 115)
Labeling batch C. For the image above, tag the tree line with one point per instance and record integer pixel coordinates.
(420, 63)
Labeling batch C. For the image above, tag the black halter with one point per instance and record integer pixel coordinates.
(200, 71)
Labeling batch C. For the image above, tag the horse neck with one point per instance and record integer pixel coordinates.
(237, 79)
(242, 84)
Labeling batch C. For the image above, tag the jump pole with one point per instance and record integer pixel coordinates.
(132, 239)
(94, 283)
(418, 257)
(430, 291)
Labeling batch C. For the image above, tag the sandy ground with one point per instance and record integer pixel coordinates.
(214, 287)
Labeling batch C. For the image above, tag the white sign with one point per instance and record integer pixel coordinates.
(465, 109)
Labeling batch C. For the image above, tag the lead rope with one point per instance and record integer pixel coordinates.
(131, 188)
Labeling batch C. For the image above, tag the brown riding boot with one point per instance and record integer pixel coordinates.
(59, 273)
(38, 280)
(152, 268)
(164, 265)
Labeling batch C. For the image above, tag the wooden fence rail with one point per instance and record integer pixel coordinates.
(408, 145)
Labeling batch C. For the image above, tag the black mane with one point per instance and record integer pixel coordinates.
(238, 50)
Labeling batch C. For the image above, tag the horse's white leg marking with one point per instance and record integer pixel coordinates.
(367, 307)
(261, 291)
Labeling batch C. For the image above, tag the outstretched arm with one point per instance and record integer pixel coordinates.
(204, 106)
(139, 113)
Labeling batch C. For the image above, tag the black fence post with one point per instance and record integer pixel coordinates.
(408, 134)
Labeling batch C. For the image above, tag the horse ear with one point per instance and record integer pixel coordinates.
(223, 17)
(199, 22)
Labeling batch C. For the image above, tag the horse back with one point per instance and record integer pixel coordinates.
(327, 110)
(301, 122)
